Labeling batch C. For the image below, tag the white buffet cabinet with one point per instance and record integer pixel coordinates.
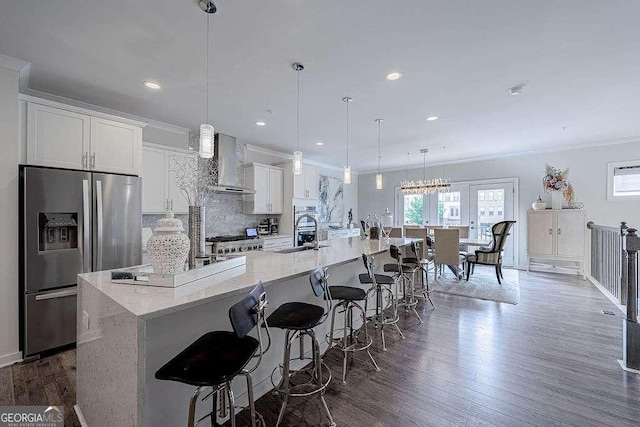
(556, 238)
(159, 187)
(69, 137)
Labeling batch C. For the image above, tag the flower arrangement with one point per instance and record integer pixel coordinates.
(555, 179)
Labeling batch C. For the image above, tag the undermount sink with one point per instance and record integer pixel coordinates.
(299, 249)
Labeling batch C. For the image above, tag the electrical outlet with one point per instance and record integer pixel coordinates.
(85, 319)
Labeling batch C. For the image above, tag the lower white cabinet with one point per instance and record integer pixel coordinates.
(159, 188)
(556, 236)
(277, 243)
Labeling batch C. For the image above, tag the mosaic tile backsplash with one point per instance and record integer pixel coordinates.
(224, 215)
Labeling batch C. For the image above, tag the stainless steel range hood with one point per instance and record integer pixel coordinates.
(225, 155)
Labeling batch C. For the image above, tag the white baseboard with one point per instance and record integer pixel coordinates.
(607, 294)
(10, 359)
(83, 422)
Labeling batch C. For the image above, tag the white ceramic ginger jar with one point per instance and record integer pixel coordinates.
(169, 246)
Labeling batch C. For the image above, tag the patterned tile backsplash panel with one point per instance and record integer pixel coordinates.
(224, 215)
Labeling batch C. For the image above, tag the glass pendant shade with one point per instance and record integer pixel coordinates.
(206, 141)
(297, 162)
(347, 175)
(379, 181)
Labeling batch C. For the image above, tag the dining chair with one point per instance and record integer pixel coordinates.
(492, 255)
(446, 245)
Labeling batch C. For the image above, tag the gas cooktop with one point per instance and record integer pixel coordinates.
(218, 239)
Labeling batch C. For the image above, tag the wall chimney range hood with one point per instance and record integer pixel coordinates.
(226, 157)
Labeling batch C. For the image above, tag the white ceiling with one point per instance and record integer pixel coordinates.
(578, 58)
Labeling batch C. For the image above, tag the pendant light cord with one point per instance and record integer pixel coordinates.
(207, 109)
(347, 102)
(298, 111)
(443, 162)
(378, 145)
(424, 166)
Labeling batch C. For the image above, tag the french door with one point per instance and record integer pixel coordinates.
(474, 204)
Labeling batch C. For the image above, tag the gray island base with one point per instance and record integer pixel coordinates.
(126, 332)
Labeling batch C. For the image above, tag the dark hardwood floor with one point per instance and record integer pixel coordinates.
(550, 360)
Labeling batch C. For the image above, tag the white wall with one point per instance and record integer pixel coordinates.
(9, 216)
(588, 174)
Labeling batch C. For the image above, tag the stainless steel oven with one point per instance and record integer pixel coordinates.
(306, 231)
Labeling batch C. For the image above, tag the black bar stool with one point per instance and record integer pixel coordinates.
(216, 358)
(381, 284)
(348, 298)
(298, 319)
(401, 276)
(421, 265)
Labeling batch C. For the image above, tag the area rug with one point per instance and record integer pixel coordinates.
(482, 285)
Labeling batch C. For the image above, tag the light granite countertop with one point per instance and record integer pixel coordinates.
(148, 302)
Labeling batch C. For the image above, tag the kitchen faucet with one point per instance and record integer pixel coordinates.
(315, 221)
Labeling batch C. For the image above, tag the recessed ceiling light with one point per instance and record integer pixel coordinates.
(320, 143)
(432, 118)
(260, 123)
(394, 76)
(152, 85)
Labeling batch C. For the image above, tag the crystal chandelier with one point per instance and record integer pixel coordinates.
(424, 185)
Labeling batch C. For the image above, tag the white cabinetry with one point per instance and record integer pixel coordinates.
(556, 236)
(69, 137)
(305, 186)
(272, 243)
(267, 181)
(159, 188)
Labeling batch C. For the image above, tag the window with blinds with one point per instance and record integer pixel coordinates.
(624, 180)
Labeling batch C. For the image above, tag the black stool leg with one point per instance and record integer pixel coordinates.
(285, 375)
(316, 349)
(192, 407)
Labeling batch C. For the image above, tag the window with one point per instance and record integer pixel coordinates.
(500, 211)
(481, 195)
(623, 180)
(454, 212)
(456, 196)
(499, 195)
(413, 213)
(482, 211)
(490, 210)
(490, 195)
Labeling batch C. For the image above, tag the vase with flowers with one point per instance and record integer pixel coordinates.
(556, 182)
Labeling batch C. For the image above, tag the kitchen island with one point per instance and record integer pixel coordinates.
(127, 332)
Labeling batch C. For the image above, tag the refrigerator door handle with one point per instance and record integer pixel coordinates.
(61, 294)
(86, 238)
(99, 227)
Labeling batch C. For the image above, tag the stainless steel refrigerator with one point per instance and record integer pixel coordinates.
(71, 222)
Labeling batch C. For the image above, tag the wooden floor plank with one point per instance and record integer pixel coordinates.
(550, 360)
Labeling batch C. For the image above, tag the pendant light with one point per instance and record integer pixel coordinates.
(379, 175)
(444, 186)
(206, 130)
(297, 155)
(347, 168)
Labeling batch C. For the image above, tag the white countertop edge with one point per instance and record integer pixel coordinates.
(96, 279)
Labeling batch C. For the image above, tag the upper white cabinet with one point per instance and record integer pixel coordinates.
(267, 181)
(56, 137)
(305, 186)
(115, 146)
(159, 188)
(557, 235)
(69, 137)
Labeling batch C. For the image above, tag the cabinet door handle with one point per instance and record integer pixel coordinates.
(551, 231)
(171, 205)
(93, 160)
(559, 231)
(84, 161)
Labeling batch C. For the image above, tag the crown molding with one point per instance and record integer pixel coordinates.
(619, 141)
(22, 67)
(287, 156)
